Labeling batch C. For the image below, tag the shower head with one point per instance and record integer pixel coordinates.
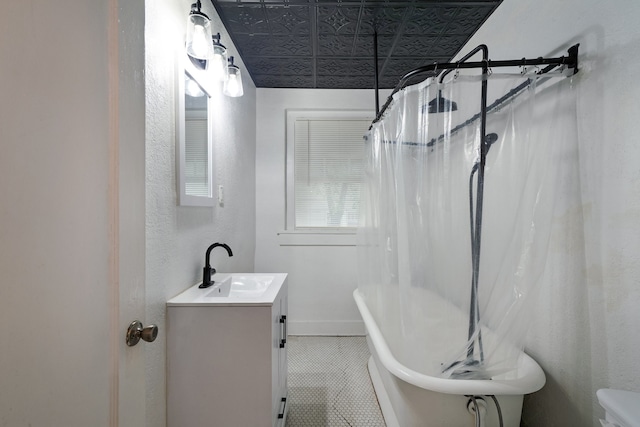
(489, 139)
(439, 104)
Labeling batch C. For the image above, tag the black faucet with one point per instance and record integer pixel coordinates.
(208, 271)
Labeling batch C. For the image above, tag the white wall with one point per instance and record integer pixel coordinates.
(585, 334)
(177, 237)
(321, 278)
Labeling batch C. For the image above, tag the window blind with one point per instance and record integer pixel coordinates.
(196, 157)
(328, 157)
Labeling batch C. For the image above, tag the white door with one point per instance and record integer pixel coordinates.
(71, 213)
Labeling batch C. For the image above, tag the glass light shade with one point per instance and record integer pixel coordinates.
(199, 36)
(233, 85)
(218, 63)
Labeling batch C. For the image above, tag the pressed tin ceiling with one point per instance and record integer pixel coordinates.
(330, 44)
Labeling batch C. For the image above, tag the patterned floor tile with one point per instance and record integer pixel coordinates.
(329, 384)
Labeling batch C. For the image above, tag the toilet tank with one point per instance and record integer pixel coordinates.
(622, 407)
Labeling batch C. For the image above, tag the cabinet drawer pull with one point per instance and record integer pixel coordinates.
(283, 322)
(283, 402)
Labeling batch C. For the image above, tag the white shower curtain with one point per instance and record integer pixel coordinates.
(419, 205)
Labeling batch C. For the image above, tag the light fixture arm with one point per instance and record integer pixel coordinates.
(196, 7)
(216, 39)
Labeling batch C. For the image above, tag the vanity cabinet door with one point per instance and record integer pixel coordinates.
(279, 361)
(282, 355)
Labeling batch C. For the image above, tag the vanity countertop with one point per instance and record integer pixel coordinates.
(233, 289)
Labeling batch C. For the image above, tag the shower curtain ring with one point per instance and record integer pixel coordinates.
(563, 64)
(488, 66)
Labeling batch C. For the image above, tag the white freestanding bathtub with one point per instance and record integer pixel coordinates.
(411, 399)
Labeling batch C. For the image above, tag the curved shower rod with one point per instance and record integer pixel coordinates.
(571, 61)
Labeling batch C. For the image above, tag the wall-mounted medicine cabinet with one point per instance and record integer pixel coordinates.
(194, 141)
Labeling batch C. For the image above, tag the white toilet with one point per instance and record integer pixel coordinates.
(622, 407)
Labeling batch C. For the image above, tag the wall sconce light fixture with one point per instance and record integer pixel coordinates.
(199, 33)
(233, 84)
(218, 65)
(206, 52)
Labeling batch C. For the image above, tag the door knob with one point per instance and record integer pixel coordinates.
(135, 332)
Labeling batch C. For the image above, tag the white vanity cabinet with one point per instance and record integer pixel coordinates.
(227, 358)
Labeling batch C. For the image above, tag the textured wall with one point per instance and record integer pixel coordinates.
(177, 237)
(585, 332)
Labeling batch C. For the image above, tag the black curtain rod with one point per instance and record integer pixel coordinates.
(375, 64)
(495, 104)
(571, 61)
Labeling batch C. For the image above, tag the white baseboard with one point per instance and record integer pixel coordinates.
(327, 328)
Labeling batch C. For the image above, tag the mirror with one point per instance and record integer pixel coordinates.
(195, 171)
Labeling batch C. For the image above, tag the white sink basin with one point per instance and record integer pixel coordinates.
(229, 289)
(240, 286)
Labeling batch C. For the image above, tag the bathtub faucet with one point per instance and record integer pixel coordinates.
(208, 270)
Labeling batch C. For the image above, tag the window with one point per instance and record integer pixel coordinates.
(324, 169)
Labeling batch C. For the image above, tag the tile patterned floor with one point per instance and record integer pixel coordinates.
(329, 384)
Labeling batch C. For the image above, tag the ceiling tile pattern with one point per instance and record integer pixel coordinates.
(330, 43)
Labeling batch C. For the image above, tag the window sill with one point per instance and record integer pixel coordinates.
(316, 238)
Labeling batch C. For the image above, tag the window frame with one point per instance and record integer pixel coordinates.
(325, 232)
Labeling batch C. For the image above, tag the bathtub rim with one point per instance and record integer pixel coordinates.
(532, 376)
